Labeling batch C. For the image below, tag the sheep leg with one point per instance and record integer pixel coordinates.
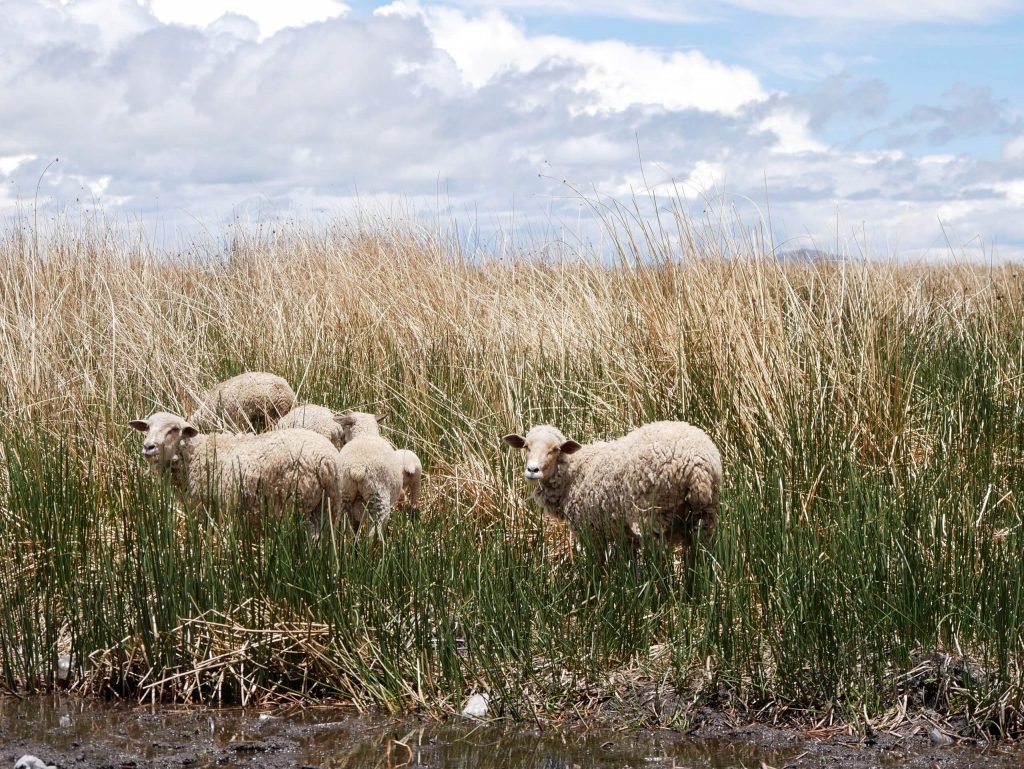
(356, 511)
(379, 512)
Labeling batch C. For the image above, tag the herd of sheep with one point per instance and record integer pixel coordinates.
(659, 480)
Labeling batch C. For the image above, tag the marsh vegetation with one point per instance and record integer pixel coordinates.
(867, 562)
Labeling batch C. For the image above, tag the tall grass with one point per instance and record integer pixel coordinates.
(868, 559)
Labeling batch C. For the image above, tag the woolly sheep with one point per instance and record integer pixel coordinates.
(661, 479)
(276, 469)
(253, 400)
(412, 471)
(371, 473)
(319, 419)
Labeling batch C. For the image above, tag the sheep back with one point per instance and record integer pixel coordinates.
(319, 419)
(253, 400)
(371, 478)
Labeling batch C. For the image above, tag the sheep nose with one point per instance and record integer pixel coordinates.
(148, 448)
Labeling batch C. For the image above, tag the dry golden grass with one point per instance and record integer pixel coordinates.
(98, 331)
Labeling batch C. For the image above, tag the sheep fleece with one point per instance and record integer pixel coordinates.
(280, 467)
(255, 397)
(319, 419)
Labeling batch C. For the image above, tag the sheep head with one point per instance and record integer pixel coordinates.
(543, 445)
(164, 433)
(356, 423)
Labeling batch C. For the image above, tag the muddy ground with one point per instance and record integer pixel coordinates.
(73, 733)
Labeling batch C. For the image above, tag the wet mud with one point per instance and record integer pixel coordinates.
(69, 732)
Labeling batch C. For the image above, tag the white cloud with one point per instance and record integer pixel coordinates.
(611, 75)
(271, 15)
(10, 163)
(1014, 149)
(791, 131)
(1013, 190)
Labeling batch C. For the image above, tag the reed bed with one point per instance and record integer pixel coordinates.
(867, 565)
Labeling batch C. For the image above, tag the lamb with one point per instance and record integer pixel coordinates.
(319, 419)
(371, 475)
(250, 401)
(275, 470)
(660, 480)
(412, 471)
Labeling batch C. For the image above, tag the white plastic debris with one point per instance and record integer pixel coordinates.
(64, 668)
(939, 737)
(31, 762)
(476, 706)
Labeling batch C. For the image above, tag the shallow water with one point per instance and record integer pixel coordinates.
(85, 733)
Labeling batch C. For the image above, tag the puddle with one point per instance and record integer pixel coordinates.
(70, 732)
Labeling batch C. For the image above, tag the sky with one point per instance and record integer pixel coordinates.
(880, 129)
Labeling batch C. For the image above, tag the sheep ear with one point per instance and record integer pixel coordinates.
(380, 417)
(140, 424)
(570, 447)
(345, 420)
(515, 441)
(189, 431)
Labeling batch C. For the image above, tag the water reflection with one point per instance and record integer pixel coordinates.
(88, 735)
(85, 732)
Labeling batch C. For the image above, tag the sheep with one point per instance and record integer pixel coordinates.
(253, 400)
(660, 480)
(319, 419)
(372, 473)
(412, 471)
(275, 470)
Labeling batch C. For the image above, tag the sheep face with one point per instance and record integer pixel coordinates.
(164, 433)
(544, 445)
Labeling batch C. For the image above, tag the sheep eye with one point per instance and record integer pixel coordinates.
(174, 430)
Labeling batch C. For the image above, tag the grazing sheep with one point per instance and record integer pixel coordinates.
(412, 471)
(274, 470)
(661, 479)
(250, 401)
(372, 473)
(319, 419)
